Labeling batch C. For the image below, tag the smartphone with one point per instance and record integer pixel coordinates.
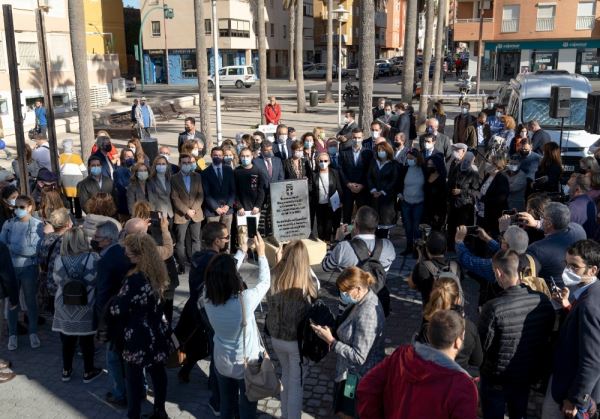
(509, 212)
(155, 217)
(350, 386)
(553, 287)
(349, 228)
(472, 229)
(251, 227)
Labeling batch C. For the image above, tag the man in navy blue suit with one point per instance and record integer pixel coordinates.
(271, 169)
(353, 167)
(282, 148)
(219, 190)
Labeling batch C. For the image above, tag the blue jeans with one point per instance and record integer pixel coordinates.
(28, 282)
(411, 218)
(116, 371)
(495, 399)
(233, 396)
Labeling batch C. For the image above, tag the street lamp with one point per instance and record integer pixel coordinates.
(215, 35)
(340, 14)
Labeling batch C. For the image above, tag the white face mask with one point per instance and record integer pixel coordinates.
(388, 113)
(375, 134)
(570, 278)
(513, 167)
(298, 154)
(346, 120)
(456, 155)
(428, 146)
(195, 152)
(132, 148)
(282, 138)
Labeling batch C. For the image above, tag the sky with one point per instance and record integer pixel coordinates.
(134, 3)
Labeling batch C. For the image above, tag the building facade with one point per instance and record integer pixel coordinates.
(394, 34)
(525, 35)
(169, 45)
(105, 29)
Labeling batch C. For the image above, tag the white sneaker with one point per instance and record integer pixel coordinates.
(12, 343)
(34, 341)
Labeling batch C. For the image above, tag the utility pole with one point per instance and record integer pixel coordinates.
(45, 68)
(15, 90)
(215, 36)
(480, 45)
(166, 47)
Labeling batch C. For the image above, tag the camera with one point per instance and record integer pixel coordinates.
(420, 243)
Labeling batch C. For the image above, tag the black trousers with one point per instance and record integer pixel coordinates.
(349, 199)
(180, 247)
(463, 215)
(136, 393)
(69, 344)
(327, 221)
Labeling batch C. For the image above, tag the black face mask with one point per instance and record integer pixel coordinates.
(431, 170)
(95, 246)
(398, 145)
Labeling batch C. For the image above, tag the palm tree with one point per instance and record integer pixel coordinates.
(82, 86)
(262, 56)
(410, 50)
(202, 72)
(426, 57)
(439, 42)
(291, 38)
(366, 61)
(328, 78)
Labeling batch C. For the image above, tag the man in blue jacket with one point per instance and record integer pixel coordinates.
(41, 123)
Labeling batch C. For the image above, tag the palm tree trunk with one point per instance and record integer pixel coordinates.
(366, 62)
(291, 36)
(262, 57)
(82, 86)
(301, 95)
(202, 72)
(410, 50)
(426, 57)
(439, 42)
(328, 75)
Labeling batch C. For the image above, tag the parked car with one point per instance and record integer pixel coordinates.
(306, 65)
(375, 73)
(384, 66)
(319, 71)
(129, 85)
(235, 75)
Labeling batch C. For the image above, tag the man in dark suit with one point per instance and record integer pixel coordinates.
(334, 153)
(349, 124)
(539, 137)
(354, 164)
(461, 122)
(94, 183)
(190, 133)
(442, 142)
(269, 165)
(575, 382)
(376, 135)
(187, 196)
(219, 190)
(379, 110)
(283, 144)
(403, 122)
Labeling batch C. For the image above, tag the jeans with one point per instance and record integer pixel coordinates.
(233, 396)
(411, 218)
(69, 344)
(180, 232)
(115, 368)
(28, 282)
(496, 398)
(136, 392)
(291, 377)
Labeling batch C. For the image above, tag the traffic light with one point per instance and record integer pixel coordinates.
(169, 12)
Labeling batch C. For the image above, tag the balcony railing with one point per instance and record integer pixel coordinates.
(475, 20)
(585, 22)
(544, 24)
(510, 25)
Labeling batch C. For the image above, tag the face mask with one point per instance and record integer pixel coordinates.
(20, 213)
(498, 114)
(267, 154)
(346, 120)
(239, 147)
(347, 299)
(166, 156)
(129, 162)
(513, 167)
(570, 278)
(375, 134)
(490, 105)
(411, 162)
(13, 182)
(464, 111)
(298, 154)
(322, 136)
(228, 159)
(142, 175)
(388, 113)
(12, 202)
(187, 168)
(195, 152)
(398, 145)
(357, 142)
(217, 161)
(429, 130)
(382, 106)
(524, 134)
(282, 139)
(332, 150)
(382, 155)
(161, 169)
(566, 189)
(246, 161)
(456, 155)
(428, 146)
(95, 171)
(95, 246)
(107, 147)
(132, 148)
(323, 165)
(308, 144)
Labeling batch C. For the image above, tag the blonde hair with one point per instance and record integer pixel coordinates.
(149, 261)
(354, 277)
(59, 218)
(444, 294)
(141, 209)
(293, 271)
(74, 242)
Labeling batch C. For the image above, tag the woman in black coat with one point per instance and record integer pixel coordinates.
(436, 191)
(326, 183)
(550, 170)
(382, 183)
(493, 198)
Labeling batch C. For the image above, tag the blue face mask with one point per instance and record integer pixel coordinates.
(95, 171)
(161, 168)
(20, 212)
(245, 161)
(332, 150)
(187, 168)
(347, 299)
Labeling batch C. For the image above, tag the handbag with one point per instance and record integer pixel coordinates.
(260, 377)
(177, 357)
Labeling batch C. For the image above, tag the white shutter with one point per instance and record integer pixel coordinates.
(545, 11)
(29, 57)
(58, 48)
(511, 12)
(585, 9)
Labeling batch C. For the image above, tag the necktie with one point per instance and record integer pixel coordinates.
(219, 175)
(283, 151)
(269, 167)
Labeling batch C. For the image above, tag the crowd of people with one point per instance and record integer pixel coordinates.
(100, 248)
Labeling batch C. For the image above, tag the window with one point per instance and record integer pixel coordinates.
(207, 26)
(510, 18)
(3, 106)
(234, 28)
(188, 66)
(60, 52)
(236, 71)
(545, 17)
(266, 29)
(284, 31)
(585, 15)
(538, 109)
(155, 28)
(308, 9)
(29, 58)
(272, 30)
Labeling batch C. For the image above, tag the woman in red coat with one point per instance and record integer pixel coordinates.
(272, 111)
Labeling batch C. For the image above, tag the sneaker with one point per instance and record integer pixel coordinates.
(215, 410)
(88, 377)
(34, 341)
(12, 343)
(66, 375)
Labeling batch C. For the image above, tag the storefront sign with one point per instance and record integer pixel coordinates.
(290, 211)
(156, 52)
(519, 45)
(182, 51)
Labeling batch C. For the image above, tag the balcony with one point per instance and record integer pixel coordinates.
(585, 23)
(510, 25)
(468, 29)
(544, 24)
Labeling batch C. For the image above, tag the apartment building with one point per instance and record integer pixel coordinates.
(394, 33)
(105, 29)
(169, 45)
(102, 69)
(527, 35)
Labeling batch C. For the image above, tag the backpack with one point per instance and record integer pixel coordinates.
(534, 282)
(451, 271)
(369, 262)
(309, 344)
(75, 290)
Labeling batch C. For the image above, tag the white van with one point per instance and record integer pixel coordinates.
(530, 99)
(235, 75)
